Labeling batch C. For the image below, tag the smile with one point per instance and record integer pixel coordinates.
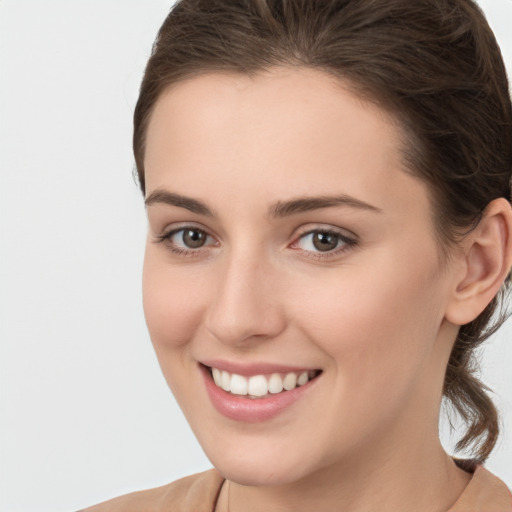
(256, 393)
(260, 386)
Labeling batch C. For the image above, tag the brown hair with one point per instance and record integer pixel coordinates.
(434, 64)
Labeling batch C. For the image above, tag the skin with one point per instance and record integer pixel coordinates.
(378, 317)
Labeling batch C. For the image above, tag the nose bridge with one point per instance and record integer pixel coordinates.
(244, 306)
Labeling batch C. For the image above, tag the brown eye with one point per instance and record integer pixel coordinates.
(193, 238)
(187, 241)
(324, 241)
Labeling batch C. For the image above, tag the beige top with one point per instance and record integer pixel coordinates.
(199, 493)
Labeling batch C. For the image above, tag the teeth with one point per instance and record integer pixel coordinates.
(260, 385)
(238, 385)
(217, 377)
(225, 381)
(302, 379)
(290, 381)
(275, 383)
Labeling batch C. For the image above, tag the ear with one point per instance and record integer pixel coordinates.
(486, 259)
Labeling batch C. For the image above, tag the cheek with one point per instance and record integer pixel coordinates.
(172, 303)
(173, 309)
(378, 328)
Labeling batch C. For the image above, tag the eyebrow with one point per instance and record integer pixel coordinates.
(305, 204)
(277, 210)
(193, 205)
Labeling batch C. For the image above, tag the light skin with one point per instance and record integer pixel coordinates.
(258, 166)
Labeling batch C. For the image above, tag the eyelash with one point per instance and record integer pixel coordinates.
(344, 244)
(166, 238)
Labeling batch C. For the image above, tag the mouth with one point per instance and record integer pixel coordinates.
(257, 393)
(261, 385)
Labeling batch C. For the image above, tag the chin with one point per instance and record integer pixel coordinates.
(258, 472)
(261, 462)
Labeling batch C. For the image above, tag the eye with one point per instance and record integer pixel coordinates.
(186, 240)
(325, 241)
(191, 238)
(321, 241)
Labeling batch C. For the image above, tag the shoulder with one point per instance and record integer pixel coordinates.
(195, 493)
(484, 493)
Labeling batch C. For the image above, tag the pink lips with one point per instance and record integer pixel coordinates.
(242, 408)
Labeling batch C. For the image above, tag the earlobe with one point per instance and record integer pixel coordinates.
(487, 258)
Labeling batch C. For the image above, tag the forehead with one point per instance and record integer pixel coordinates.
(286, 130)
(295, 101)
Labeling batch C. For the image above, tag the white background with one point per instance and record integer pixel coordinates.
(84, 411)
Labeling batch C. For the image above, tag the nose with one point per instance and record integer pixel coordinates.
(246, 307)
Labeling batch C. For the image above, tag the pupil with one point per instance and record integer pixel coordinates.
(194, 238)
(325, 241)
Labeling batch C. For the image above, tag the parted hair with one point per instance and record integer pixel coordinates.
(433, 64)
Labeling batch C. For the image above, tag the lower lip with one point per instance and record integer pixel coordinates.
(251, 410)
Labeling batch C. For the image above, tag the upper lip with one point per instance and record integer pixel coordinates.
(255, 368)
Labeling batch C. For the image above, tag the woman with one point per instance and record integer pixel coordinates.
(330, 237)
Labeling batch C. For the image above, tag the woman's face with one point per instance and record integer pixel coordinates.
(286, 242)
